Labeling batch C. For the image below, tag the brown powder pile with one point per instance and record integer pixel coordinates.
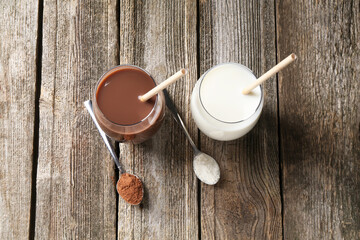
(130, 188)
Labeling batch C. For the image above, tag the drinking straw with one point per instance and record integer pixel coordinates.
(270, 73)
(163, 85)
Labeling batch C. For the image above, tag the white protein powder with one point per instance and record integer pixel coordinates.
(206, 169)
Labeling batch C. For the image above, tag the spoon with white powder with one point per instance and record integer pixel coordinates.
(205, 167)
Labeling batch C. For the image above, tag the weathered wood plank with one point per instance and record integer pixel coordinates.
(246, 203)
(319, 101)
(160, 36)
(18, 28)
(76, 197)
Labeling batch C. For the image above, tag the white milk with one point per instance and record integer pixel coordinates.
(219, 108)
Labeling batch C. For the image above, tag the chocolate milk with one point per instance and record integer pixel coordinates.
(118, 109)
(117, 96)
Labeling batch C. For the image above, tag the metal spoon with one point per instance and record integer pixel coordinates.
(88, 105)
(205, 167)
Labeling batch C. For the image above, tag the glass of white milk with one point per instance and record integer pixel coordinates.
(219, 108)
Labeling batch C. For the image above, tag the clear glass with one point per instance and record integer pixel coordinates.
(215, 128)
(137, 132)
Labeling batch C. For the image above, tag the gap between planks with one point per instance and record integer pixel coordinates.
(279, 125)
(36, 121)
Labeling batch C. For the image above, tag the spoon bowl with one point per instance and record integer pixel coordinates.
(124, 197)
(206, 168)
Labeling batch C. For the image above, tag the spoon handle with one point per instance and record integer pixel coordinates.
(88, 105)
(172, 108)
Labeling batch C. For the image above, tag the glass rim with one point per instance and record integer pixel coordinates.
(100, 80)
(243, 120)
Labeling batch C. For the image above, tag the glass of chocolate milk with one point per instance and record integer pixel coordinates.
(117, 108)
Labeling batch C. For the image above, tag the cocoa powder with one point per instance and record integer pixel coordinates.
(130, 188)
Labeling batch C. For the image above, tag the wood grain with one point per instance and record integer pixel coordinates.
(246, 203)
(76, 196)
(18, 28)
(319, 100)
(160, 36)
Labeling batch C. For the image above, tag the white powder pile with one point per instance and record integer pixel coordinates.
(206, 169)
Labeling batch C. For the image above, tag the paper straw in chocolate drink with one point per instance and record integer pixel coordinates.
(163, 85)
(270, 73)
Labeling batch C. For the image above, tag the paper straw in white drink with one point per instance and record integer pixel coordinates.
(270, 73)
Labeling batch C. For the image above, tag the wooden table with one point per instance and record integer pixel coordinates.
(296, 175)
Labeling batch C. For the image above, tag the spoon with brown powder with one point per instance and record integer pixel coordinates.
(129, 186)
